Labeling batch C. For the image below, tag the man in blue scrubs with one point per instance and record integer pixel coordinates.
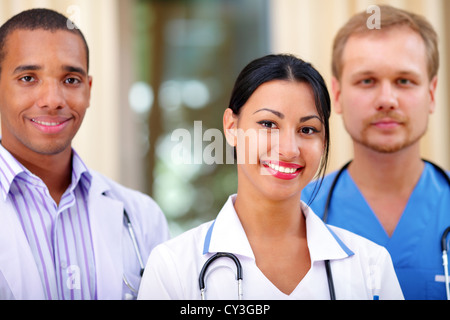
(384, 84)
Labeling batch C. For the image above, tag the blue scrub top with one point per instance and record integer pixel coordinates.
(415, 245)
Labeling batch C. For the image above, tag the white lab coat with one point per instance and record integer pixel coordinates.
(19, 276)
(360, 268)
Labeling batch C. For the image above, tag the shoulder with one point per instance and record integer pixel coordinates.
(114, 186)
(319, 186)
(361, 247)
(370, 267)
(180, 254)
(131, 197)
(316, 192)
(437, 173)
(173, 266)
(188, 244)
(145, 214)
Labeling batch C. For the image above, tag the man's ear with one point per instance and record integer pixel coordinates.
(90, 89)
(230, 127)
(336, 90)
(432, 90)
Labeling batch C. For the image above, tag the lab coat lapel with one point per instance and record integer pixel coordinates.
(323, 243)
(226, 234)
(106, 217)
(19, 276)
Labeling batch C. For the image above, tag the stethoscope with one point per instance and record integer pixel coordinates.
(444, 235)
(216, 256)
(136, 250)
(201, 278)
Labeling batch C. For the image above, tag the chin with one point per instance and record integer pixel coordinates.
(388, 147)
(50, 148)
(278, 193)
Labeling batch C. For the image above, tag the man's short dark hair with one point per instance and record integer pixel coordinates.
(35, 19)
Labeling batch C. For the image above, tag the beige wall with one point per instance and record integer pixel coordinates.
(97, 19)
(307, 28)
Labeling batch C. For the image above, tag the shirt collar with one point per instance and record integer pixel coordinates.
(226, 234)
(80, 172)
(10, 168)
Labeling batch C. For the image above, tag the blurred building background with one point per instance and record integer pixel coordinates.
(163, 65)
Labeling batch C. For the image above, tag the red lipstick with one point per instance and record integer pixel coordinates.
(283, 170)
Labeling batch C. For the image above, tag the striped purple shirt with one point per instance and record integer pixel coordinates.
(59, 235)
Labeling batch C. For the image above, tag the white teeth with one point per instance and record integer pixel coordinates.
(48, 124)
(281, 169)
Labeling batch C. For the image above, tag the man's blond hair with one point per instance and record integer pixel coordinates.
(389, 17)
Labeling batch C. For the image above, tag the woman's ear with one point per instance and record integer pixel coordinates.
(230, 127)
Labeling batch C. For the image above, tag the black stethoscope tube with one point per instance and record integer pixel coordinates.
(325, 218)
(134, 241)
(445, 261)
(338, 175)
(327, 206)
(444, 240)
(330, 280)
(201, 278)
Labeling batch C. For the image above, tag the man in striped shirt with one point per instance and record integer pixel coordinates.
(62, 229)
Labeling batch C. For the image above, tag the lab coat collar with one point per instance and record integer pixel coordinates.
(226, 234)
(323, 243)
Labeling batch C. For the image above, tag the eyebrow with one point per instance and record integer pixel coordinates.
(281, 116)
(32, 67)
(399, 72)
(75, 70)
(278, 114)
(304, 119)
(27, 67)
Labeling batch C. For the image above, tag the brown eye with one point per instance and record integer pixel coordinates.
(27, 79)
(308, 130)
(268, 124)
(72, 81)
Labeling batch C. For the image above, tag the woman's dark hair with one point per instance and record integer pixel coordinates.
(289, 68)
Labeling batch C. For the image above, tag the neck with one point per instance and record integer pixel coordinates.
(54, 170)
(387, 172)
(262, 217)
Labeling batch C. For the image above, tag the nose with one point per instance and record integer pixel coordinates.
(51, 95)
(289, 145)
(387, 97)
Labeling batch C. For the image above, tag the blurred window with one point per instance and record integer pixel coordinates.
(187, 57)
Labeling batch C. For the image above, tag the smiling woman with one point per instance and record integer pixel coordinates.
(258, 87)
(278, 245)
(280, 107)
